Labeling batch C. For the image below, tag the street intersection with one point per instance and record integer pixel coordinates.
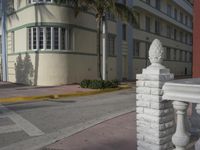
(33, 125)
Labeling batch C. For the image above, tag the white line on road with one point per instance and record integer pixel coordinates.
(22, 123)
(9, 129)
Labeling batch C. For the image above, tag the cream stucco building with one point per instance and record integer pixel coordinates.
(47, 45)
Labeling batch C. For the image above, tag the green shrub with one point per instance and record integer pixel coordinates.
(95, 84)
(115, 83)
(85, 83)
(99, 84)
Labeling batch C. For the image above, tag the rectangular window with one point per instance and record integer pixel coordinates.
(169, 10)
(180, 55)
(190, 57)
(137, 17)
(34, 38)
(56, 38)
(41, 38)
(158, 4)
(186, 38)
(185, 56)
(29, 38)
(191, 23)
(48, 37)
(136, 48)
(62, 39)
(70, 39)
(111, 45)
(168, 53)
(169, 30)
(175, 34)
(175, 13)
(147, 24)
(157, 27)
(124, 32)
(186, 20)
(181, 17)
(191, 40)
(181, 36)
(174, 56)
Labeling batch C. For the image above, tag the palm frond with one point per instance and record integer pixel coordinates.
(125, 13)
(101, 7)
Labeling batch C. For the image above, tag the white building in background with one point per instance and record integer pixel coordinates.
(167, 20)
(47, 45)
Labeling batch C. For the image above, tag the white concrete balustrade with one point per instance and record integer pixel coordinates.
(182, 92)
(158, 95)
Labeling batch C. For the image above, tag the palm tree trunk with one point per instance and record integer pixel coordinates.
(99, 49)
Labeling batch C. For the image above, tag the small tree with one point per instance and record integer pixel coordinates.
(101, 8)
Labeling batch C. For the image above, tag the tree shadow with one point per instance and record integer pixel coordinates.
(24, 71)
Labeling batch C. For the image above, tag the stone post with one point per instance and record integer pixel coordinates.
(155, 118)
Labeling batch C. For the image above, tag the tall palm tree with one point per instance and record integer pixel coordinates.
(101, 8)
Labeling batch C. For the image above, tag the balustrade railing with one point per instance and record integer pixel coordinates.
(158, 97)
(182, 92)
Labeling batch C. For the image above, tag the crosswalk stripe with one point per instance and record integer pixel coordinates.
(22, 123)
(9, 129)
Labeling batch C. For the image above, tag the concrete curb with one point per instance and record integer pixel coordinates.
(55, 96)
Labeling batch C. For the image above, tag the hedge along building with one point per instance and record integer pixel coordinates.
(47, 45)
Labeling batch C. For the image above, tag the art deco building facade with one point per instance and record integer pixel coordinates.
(47, 45)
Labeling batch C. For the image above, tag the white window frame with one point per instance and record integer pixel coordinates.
(67, 38)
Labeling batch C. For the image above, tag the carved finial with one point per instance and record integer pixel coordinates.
(156, 52)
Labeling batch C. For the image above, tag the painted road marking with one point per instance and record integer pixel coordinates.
(49, 138)
(20, 122)
(9, 129)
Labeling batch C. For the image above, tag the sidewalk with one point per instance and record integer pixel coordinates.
(10, 92)
(116, 134)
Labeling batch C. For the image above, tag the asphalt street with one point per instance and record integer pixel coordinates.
(33, 125)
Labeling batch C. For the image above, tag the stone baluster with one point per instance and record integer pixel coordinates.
(181, 138)
(197, 145)
(155, 118)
